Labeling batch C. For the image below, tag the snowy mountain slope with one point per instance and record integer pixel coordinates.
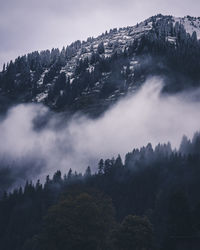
(120, 39)
(190, 24)
(95, 73)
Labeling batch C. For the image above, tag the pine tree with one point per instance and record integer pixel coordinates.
(4, 67)
(57, 177)
(88, 172)
(118, 162)
(101, 167)
(100, 48)
(69, 175)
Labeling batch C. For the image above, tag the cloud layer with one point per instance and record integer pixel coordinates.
(58, 143)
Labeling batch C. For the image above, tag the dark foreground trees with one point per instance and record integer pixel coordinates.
(85, 220)
(135, 233)
(66, 212)
(81, 221)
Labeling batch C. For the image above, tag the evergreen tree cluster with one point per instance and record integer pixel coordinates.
(165, 50)
(148, 202)
(23, 74)
(177, 50)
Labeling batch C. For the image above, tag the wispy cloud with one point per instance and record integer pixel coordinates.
(60, 144)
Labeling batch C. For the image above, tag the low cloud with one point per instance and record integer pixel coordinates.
(35, 142)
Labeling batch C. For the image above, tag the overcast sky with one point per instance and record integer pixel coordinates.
(28, 25)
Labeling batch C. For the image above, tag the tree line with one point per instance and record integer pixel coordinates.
(150, 201)
(176, 59)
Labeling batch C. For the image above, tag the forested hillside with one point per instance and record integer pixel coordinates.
(148, 200)
(99, 71)
(154, 194)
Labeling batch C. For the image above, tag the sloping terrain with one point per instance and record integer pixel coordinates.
(91, 75)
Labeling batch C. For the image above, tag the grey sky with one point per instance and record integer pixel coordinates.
(28, 25)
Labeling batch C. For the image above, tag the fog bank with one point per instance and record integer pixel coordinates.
(144, 117)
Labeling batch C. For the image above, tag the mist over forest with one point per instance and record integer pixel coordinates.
(37, 142)
(100, 141)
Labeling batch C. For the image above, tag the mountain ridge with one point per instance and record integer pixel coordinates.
(93, 74)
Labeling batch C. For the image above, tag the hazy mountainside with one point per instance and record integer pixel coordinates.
(160, 184)
(149, 198)
(92, 74)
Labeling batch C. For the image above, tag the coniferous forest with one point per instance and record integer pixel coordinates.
(81, 76)
(149, 201)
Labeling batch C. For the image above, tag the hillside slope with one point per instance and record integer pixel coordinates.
(91, 75)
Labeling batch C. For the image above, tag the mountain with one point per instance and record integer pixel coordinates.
(91, 75)
(149, 198)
